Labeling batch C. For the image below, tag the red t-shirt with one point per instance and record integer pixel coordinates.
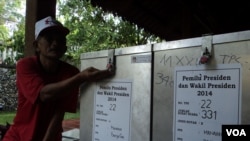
(33, 116)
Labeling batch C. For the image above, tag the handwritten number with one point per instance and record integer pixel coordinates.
(164, 79)
(209, 114)
(112, 107)
(206, 103)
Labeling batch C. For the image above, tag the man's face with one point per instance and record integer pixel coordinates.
(52, 45)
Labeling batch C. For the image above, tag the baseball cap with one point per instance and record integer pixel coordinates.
(49, 23)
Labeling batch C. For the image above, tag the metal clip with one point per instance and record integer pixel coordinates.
(111, 60)
(206, 49)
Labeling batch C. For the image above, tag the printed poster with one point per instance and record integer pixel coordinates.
(204, 99)
(112, 111)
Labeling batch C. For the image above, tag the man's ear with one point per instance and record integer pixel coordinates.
(35, 45)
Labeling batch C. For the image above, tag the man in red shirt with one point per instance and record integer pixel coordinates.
(47, 86)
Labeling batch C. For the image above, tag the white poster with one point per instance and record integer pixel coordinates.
(204, 100)
(112, 111)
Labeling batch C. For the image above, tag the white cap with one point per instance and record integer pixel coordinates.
(49, 23)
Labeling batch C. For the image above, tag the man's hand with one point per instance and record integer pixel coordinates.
(92, 74)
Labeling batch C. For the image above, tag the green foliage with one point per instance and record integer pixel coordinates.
(18, 43)
(72, 115)
(11, 38)
(92, 29)
(8, 15)
(6, 116)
